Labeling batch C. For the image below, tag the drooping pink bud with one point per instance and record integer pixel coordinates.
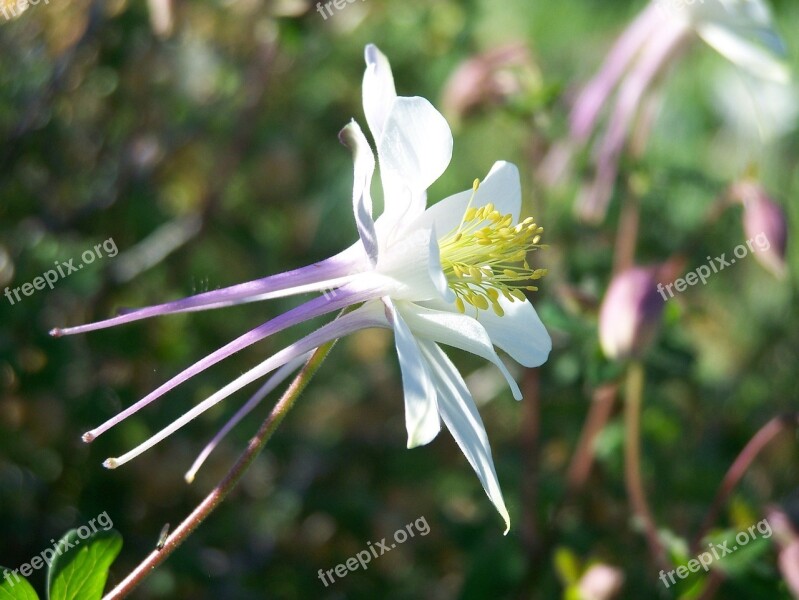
(630, 314)
(787, 540)
(765, 225)
(489, 78)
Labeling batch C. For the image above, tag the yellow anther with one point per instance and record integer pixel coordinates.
(497, 309)
(485, 258)
(518, 294)
(479, 301)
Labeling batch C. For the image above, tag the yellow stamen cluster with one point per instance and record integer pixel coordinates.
(487, 256)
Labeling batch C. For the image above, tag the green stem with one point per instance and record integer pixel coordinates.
(224, 487)
(632, 460)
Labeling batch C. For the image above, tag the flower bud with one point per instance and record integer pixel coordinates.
(787, 540)
(489, 78)
(601, 582)
(630, 313)
(765, 226)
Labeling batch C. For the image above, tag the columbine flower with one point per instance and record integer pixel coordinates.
(740, 30)
(452, 274)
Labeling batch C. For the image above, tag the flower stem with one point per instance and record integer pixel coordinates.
(632, 460)
(741, 464)
(223, 488)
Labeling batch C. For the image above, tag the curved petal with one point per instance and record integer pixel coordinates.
(457, 330)
(329, 273)
(421, 407)
(378, 90)
(352, 137)
(519, 332)
(435, 270)
(368, 315)
(275, 380)
(409, 267)
(414, 150)
(461, 417)
(595, 95)
(501, 187)
(346, 296)
(757, 56)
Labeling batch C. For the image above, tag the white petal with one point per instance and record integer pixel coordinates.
(410, 264)
(421, 408)
(435, 270)
(758, 59)
(378, 90)
(414, 150)
(743, 31)
(500, 187)
(352, 137)
(457, 330)
(464, 423)
(519, 332)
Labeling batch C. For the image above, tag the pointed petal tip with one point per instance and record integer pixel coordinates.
(370, 54)
(110, 463)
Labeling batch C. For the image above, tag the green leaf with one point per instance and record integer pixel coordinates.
(81, 570)
(14, 587)
(736, 559)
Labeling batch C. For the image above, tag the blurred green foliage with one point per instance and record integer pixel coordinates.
(225, 131)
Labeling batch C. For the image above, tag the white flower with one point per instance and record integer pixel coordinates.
(740, 30)
(451, 274)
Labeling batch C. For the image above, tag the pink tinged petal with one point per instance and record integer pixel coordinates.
(519, 332)
(314, 308)
(421, 409)
(275, 380)
(596, 93)
(378, 90)
(329, 273)
(654, 58)
(369, 315)
(457, 330)
(460, 415)
(414, 150)
(352, 137)
(501, 187)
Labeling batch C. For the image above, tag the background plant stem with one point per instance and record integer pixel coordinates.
(224, 487)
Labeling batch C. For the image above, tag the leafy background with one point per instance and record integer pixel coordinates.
(224, 132)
